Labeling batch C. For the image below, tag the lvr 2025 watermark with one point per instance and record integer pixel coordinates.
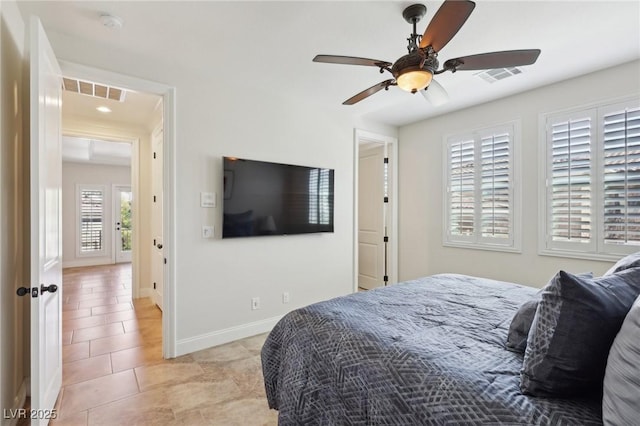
(23, 413)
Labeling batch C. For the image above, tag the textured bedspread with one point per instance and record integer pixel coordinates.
(425, 352)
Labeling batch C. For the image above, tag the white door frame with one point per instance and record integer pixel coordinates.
(363, 136)
(116, 187)
(168, 94)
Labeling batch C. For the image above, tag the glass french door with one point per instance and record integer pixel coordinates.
(123, 237)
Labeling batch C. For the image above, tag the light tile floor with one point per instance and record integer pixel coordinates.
(114, 373)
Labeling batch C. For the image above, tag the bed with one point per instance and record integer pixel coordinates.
(424, 352)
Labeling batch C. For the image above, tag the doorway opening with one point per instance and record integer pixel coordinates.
(140, 110)
(375, 239)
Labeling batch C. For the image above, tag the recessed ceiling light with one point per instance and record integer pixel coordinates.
(103, 109)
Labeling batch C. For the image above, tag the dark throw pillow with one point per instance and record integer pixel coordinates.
(621, 392)
(522, 320)
(520, 326)
(572, 331)
(630, 261)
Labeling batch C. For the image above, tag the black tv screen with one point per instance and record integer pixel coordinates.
(262, 198)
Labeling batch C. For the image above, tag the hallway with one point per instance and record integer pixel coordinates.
(114, 373)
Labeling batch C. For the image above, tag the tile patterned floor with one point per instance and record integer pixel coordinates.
(113, 371)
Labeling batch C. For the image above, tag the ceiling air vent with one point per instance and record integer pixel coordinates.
(93, 89)
(493, 75)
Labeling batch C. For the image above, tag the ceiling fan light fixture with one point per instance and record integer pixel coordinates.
(414, 80)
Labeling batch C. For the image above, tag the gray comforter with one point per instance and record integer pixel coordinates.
(424, 352)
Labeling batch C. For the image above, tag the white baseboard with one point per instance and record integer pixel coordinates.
(18, 403)
(220, 337)
(87, 262)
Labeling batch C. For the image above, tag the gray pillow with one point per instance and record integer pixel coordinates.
(520, 326)
(572, 331)
(522, 320)
(621, 393)
(630, 261)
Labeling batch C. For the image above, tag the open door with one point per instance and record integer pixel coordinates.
(157, 258)
(46, 225)
(371, 218)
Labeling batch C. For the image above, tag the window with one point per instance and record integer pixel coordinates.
(91, 220)
(592, 185)
(480, 198)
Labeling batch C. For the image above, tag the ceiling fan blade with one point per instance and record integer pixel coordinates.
(367, 92)
(351, 60)
(446, 23)
(484, 61)
(435, 94)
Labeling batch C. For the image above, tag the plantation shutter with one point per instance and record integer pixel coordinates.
(495, 186)
(621, 175)
(91, 220)
(462, 188)
(569, 194)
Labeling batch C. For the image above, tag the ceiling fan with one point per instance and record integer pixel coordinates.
(414, 71)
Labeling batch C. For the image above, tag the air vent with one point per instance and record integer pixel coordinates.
(93, 89)
(493, 75)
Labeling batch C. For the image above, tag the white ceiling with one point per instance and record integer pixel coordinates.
(272, 44)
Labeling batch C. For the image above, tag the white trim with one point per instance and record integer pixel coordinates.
(391, 145)
(168, 93)
(220, 337)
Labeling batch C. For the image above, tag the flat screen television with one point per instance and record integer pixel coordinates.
(263, 198)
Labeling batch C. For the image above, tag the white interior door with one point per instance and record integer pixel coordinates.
(46, 225)
(123, 231)
(157, 258)
(371, 217)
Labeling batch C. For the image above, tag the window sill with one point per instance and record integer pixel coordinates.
(480, 246)
(581, 255)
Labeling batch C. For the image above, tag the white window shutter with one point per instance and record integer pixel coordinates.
(91, 220)
(461, 205)
(621, 175)
(570, 198)
(495, 186)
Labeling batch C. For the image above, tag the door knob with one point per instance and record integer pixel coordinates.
(50, 288)
(22, 291)
(159, 246)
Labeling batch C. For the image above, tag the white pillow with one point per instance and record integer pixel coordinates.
(621, 392)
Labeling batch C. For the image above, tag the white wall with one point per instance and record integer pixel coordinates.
(14, 158)
(104, 176)
(216, 279)
(421, 181)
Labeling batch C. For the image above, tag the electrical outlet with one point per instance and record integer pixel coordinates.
(207, 231)
(285, 297)
(255, 303)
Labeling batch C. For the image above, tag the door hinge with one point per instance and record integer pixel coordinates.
(154, 198)
(386, 160)
(154, 286)
(154, 242)
(386, 279)
(386, 199)
(154, 155)
(386, 239)
(165, 260)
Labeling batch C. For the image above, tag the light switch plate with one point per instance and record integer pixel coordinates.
(207, 199)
